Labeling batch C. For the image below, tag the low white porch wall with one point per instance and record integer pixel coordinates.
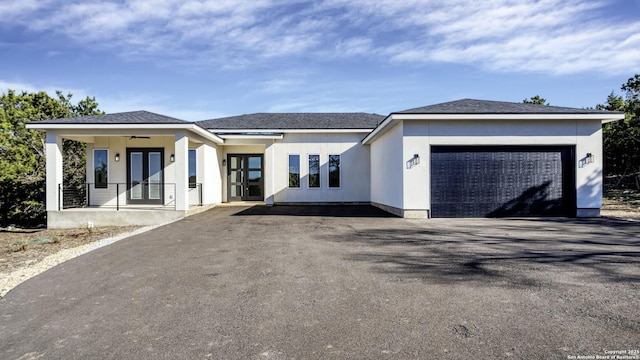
(80, 218)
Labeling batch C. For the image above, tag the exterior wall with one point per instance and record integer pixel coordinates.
(387, 171)
(118, 170)
(416, 175)
(354, 168)
(419, 136)
(242, 147)
(209, 169)
(53, 147)
(589, 177)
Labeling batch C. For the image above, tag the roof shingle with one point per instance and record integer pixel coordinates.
(132, 117)
(473, 106)
(290, 121)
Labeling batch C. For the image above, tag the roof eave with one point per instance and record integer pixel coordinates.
(394, 118)
(604, 117)
(70, 126)
(273, 136)
(248, 131)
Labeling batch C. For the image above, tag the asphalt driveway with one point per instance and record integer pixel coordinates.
(283, 283)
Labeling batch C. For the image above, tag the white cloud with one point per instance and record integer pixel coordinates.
(354, 46)
(550, 36)
(18, 8)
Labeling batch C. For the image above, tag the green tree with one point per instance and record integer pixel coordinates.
(22, 157)
(536, 100)
(621, 139)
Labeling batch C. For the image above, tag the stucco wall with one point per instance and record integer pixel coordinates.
(387, 168)
(586, 136)
(210, 173)
(354, 167)
(117, 171)
(242, 147)
(589, 177)
(208, 169)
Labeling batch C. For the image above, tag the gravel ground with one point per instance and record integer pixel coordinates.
(263, 284)
(24, 256)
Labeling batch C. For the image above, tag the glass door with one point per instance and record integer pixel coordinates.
(145, 176)
(235, 177)
(254, 184)
(245, 177)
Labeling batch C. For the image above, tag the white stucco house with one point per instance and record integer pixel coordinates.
(465, 158)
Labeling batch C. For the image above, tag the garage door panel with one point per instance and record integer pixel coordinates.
(499, 181)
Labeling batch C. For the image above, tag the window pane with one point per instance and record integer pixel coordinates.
(236, 176)
(255, 175)
(136, 175)
(236, 191)
(236, 162)
(334, 170)
(155, 175)
(255, 162)
(294, 171)
(314, 171)
(101, 168)
(192, 168)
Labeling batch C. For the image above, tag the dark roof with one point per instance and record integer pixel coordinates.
(472, 106)
(290, 121)
(132, 117)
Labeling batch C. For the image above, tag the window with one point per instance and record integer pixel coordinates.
(294, 171)
(334, 171)
(314, 171)
(101, 168)
(192, 168)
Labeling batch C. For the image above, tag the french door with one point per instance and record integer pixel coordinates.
(145, 176)
(245, 177)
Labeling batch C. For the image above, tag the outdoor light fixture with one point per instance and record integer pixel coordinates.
(590, 158)
(117, 157)
(414, 161)
(224, 162)
(172, 158)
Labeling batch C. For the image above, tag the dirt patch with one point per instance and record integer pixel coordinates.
(622, 204)
(21, 248)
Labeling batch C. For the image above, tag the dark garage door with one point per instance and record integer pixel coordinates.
(502, 181)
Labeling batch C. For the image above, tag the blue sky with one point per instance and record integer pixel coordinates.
(204, 59)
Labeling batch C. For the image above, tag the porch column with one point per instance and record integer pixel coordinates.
(53, 149)
(269, 171)
(182, 171)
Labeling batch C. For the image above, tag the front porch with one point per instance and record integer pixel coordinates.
(136, 174)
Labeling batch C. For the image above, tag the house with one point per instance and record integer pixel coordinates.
(465, 158)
